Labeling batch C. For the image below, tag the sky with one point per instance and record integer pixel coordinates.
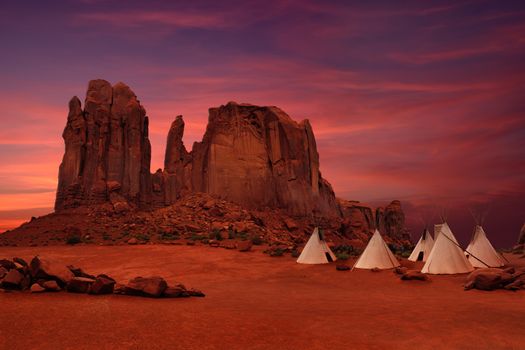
(421, 101)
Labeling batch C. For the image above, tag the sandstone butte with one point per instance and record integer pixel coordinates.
(256, 157)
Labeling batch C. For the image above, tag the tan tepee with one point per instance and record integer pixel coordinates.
(316, 251)
(423, 247)
(376, 254)
(481, 249)
(446, 256)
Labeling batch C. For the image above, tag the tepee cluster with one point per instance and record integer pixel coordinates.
(441, 254)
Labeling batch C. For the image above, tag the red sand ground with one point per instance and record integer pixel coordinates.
(256, 302)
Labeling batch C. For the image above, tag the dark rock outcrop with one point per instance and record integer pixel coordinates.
(108, 152)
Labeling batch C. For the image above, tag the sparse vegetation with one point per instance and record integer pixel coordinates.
(342, 256)
(72, 240)
(295, 253)
(346, 250)
(257, 240)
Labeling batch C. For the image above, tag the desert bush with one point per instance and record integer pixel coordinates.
(257, 240)
(73, 240)
(277, 252)
(295, 253)
(342, 256)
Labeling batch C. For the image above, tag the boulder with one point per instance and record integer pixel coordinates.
(488, 279)
(103, 285)
(20, 261)
(49, 270)
(342, 267)
(196, 293)
(517, 283)
(37, 288)
(290, 224)
(177, 291)
(7, 264)
(3, 272)
(79, 285)
(400, 270)
(244, 246)
(146, 286)
(133, 241)
(414, 275)
(51, 286)
(78, 272)
(13, 280)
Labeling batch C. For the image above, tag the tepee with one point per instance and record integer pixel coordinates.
(481, 249)
(423, 247)
(376, 254)
(316, 251)
(446, 256)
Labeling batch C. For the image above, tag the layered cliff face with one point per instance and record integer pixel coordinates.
(107, 153)
(255, 156)
(359, 220)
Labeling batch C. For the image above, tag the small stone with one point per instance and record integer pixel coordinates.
(79, 285)
(133, 241)
(37, 288)
(342, 267)
(51, 286)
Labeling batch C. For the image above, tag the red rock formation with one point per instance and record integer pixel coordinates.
(107, 153)
(521, 238)
(255, 156)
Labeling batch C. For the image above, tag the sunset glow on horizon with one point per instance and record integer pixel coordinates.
(421, 102)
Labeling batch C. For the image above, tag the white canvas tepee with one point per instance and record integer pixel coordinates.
(446, 256)
(376, 254)
(316, 251)
(423, 247)
(480, 248)
(437, 230)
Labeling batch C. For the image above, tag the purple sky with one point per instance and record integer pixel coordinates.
(419, 101)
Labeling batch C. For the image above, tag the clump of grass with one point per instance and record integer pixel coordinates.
(143, 237)
(72, 240)
(342, 256)
(347, 250)
(257, 240)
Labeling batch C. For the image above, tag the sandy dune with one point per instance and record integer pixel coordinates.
(256, 302)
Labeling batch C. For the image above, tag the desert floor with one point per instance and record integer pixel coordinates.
(256, 302)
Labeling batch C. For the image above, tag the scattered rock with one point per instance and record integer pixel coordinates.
(146, 286)
(244, 246)
(400, 270)
(79, 285)
(37, 288)
(178, 291)
(103, 285)
(13, 280)
(133, 241)
(488, 279)
(414, 275)
(47, 269)
(7, 264)
(196, 293)
(51, 286)
(78, 272)
(342, 267)
(20, 261)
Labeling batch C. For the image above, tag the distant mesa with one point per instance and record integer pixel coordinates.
(255, 156)
(257, 162)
